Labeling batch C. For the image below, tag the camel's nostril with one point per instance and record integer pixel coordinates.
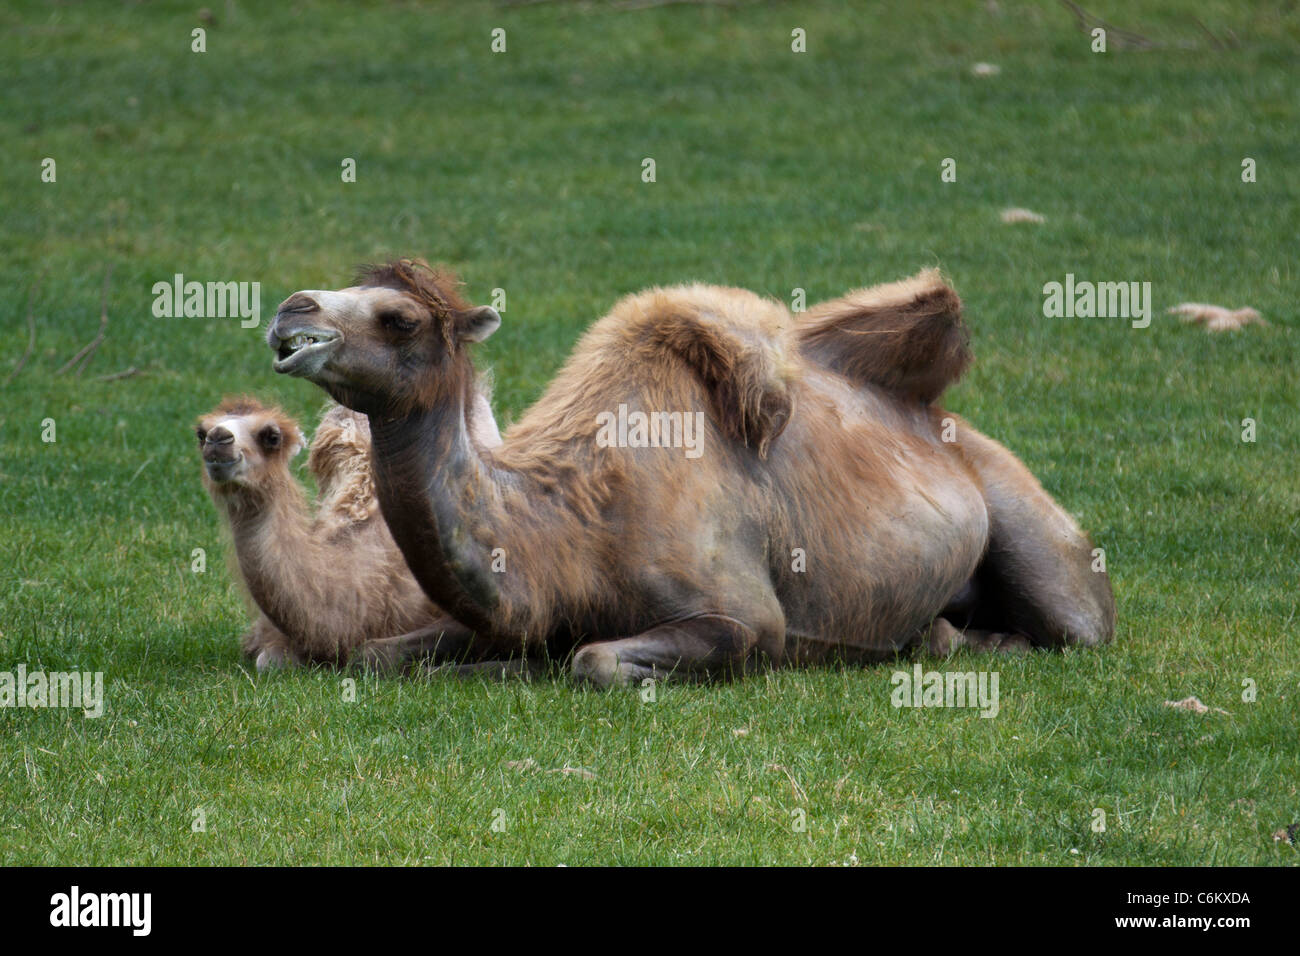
(220, 436)
(298, 302)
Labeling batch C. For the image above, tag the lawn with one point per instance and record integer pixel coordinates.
(775, 171)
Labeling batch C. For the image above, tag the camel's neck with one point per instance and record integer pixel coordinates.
(432, 485)
(274, 545)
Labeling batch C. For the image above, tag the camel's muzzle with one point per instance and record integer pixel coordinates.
(223, 471)
(221, 456)
(223, 463)
(300, 351)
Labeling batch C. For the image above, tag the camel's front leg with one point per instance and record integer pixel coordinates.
(697, 648)
(1038, 577)
(444, 642)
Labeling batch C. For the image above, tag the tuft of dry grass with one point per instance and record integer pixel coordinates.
(1217, 318)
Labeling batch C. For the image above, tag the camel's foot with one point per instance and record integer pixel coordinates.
(943, 639)
(267, 646)
(699, 648)
(271, 659)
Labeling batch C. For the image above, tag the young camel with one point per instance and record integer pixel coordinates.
(826, 518)
(324, 582)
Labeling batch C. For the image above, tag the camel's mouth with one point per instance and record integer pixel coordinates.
(304, 352)
(223, 470)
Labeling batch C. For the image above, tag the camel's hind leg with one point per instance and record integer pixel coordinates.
(1037, 578)
(698, 648)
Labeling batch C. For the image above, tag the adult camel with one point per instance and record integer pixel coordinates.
(828, 508)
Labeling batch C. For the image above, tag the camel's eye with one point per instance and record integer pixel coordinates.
(269, 437)
(396, 321)
(202, 433)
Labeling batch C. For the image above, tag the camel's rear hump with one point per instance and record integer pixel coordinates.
(907, 337)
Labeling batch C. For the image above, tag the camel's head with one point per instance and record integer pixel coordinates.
(391, 344)
(242, 441)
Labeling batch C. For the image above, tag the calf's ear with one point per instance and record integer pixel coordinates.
(476, 324)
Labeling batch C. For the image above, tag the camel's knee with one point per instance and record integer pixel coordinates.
(1087, 620)
(1088, 630)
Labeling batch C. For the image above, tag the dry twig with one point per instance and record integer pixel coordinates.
(125, 373)
(87, 352)
(1128, 40)
(31, 329)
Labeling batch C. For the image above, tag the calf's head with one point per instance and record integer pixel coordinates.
(243, 443)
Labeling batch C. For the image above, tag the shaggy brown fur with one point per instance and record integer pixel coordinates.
(438, 290)
(324, 582)
(745, 371)
(826, 517)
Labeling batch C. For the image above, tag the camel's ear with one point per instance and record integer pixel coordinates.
(293, 441)
(474, 325)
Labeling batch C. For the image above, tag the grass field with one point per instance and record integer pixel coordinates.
(774, 171)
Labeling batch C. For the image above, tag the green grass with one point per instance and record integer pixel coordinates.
(775, 171)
